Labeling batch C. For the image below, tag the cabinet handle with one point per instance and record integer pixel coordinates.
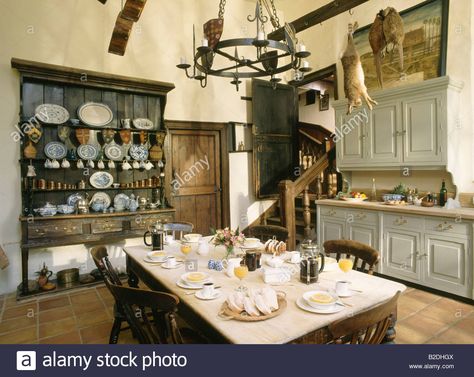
(400, 221)
(331, 213)
(361, 216)
(444, 227)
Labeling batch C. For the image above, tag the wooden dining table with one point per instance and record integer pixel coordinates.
(293, 325)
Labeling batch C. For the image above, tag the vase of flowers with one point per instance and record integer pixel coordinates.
(228, 238)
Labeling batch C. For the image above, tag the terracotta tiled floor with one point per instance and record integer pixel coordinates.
(86, 317)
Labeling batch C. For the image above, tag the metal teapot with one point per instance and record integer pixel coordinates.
(82, 205)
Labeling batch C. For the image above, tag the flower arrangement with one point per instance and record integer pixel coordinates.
(228, 238)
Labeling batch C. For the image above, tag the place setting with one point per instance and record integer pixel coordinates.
(193, 280)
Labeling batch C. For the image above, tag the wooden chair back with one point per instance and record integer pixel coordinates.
(266, 232)
(101, 259)
(364, 257)
(368, 327)
(161, 327)
(178, 229)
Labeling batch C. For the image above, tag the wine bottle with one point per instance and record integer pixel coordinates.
(443, 194)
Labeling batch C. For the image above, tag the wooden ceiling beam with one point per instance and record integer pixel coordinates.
(317, 16)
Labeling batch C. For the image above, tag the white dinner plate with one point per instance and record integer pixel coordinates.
(182, 284)
(95, 114)
(303, 305)
(199, 295)
(151, 261)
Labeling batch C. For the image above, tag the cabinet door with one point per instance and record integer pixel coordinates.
(350, 134)
(400, 254)
(446, 261)
(383, 140)
(364, 234)
(331, 229)
(422, 130)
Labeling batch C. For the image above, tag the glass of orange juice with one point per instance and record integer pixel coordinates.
(241, 272)
(185, 249)
(345, 264)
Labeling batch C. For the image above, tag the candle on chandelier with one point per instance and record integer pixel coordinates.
(183, 60)
(261, 36)
(205, 42)
(305, 64)
(302, 48)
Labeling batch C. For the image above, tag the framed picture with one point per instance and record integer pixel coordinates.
(424, 48)
(324, 102)
(240, 137)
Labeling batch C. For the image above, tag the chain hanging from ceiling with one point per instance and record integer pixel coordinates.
(269, 57)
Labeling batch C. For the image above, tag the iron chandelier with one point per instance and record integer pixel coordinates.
(271, 58)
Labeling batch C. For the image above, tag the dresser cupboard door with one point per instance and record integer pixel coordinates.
(363, 234)
(383, 138)
(401, 251)
(446, 261)
(331, 229)
(422, 128)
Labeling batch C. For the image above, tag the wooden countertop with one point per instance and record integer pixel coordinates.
(94, 215)
(464, 213)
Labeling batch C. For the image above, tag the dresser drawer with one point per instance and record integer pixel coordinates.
(362, 217)
(445, 226)
(339, 213)
(143, 222)
(54, 229)
(404, 222)
(106, 226)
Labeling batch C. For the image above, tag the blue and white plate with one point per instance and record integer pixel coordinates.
(103, 197)
(101, 180)
(49, 113)
(113, 152)
(55, 150)
(121, 200)
(88, 152)
(73, 198)
(138, 152)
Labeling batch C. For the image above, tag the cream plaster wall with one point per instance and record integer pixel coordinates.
(76, 33)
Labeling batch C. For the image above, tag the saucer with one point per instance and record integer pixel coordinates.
(182, 284)
(303, 305)
(216, 294)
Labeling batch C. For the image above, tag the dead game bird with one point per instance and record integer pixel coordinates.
(354, 78)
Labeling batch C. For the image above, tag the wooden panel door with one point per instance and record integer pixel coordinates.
(274, 122)
(447, 260)
(366, 234)
(422, 130)
(383, 143)
(401, 250)
(196, 178)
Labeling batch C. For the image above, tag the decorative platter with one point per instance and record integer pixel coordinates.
(138, 152)
(55, 150)
(73, 198)
(51, 114)
(122, 200)
(227, 313)
(95, 114)
(102, 196)
(143, 124)
(87, 151)
(113, 152)
(101, 180)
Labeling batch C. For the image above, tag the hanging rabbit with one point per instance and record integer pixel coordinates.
(354, 78)
(387, 29)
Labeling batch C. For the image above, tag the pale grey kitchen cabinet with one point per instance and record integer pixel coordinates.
(446, 260)
(410, 126)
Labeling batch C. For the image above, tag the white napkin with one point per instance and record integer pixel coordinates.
(452, 204)
(276, 275)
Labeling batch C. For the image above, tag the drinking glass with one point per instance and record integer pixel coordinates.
(241, 272)
(345, 264)
(185, 249)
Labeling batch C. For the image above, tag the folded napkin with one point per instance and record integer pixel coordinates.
(452, 204)
(276, 275)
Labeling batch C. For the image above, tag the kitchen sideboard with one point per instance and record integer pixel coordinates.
(427, 246)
